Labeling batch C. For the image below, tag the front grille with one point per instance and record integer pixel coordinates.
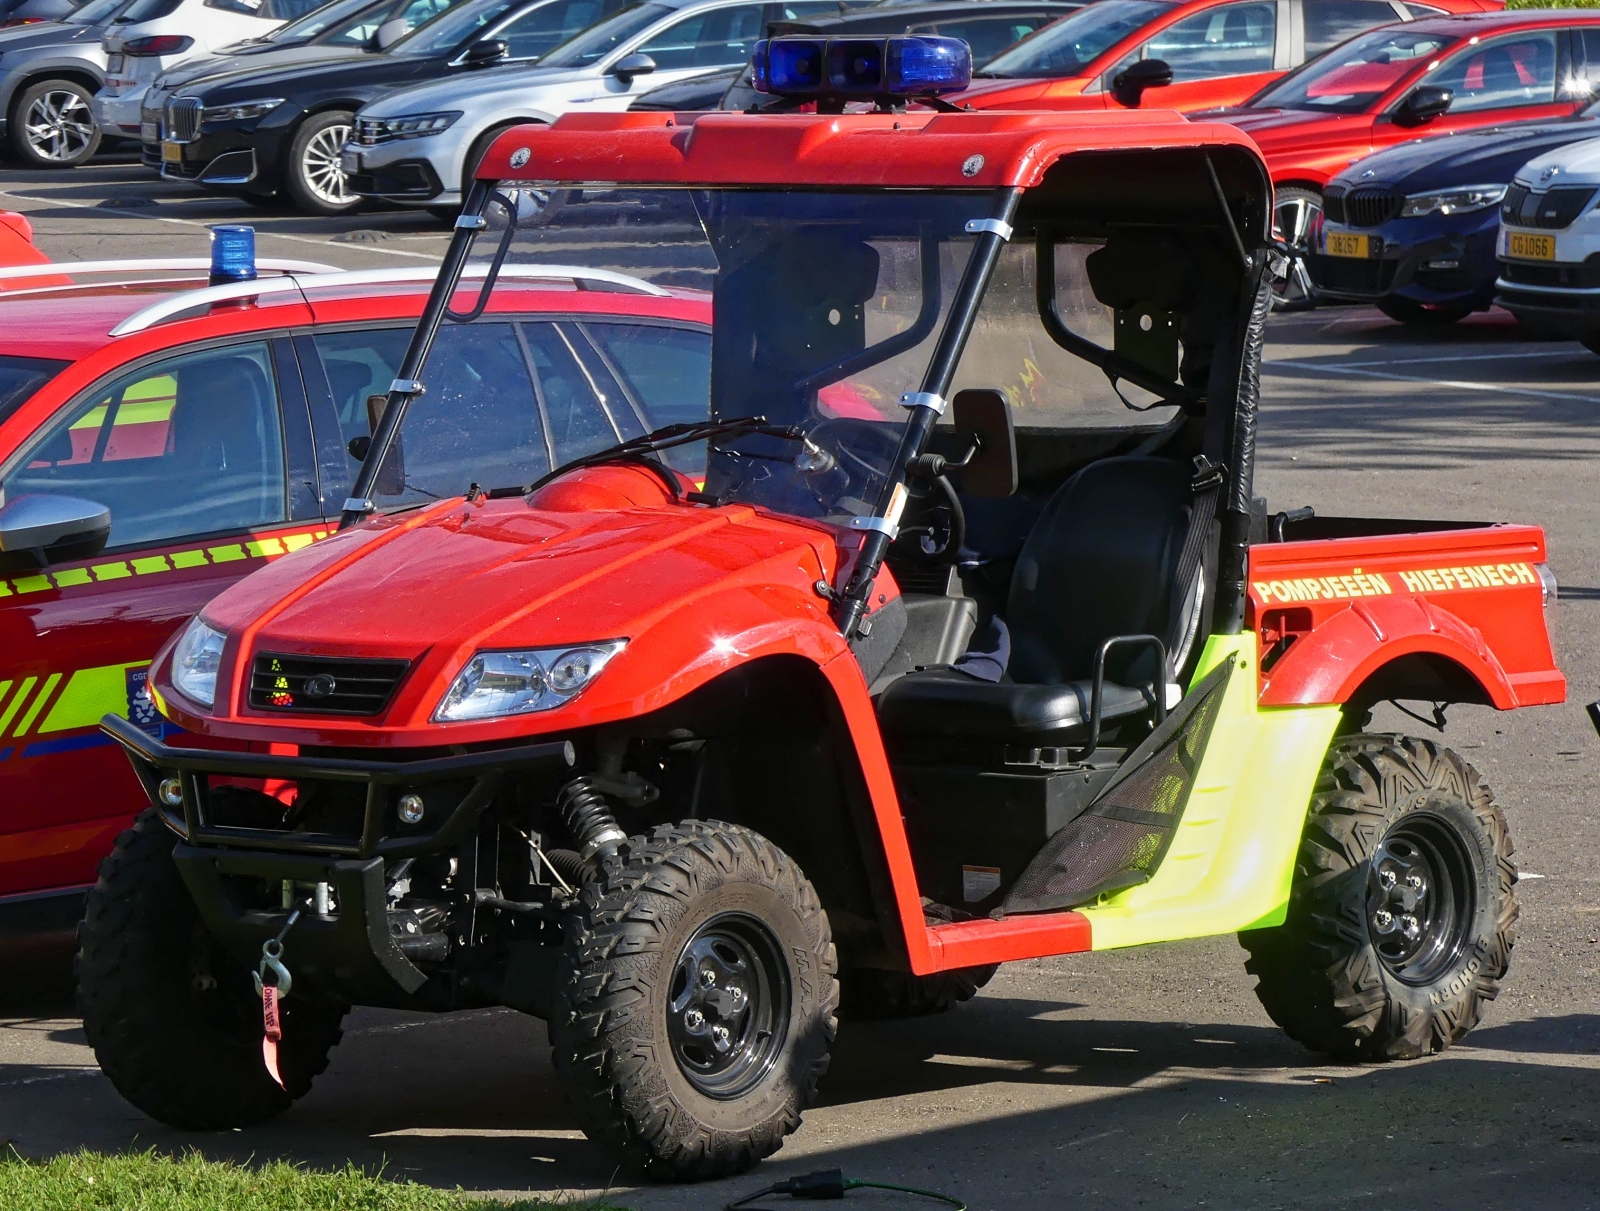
(323, 685)
(1338, 273)
(1370, 206)
(183, 119)
(1552, 210)
(1578, 277)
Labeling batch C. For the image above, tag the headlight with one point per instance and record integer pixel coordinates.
(406, 126)
(244, 111)
(195, 662)
(495, 684)
(1452, 201)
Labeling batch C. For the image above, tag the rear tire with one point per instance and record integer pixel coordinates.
(636, 1017)
(174, 1021)
(1416, 315)
(868, 994)
(52, 125)
(1342, 975)
(312, 176)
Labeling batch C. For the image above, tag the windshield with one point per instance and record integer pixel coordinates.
(598, 41)
(1068, 46)
(1349, 78)
(448, 30)
(320, 19)
(20, 377)
(96, 12)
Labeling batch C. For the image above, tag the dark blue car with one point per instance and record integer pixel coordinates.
(1412, 229)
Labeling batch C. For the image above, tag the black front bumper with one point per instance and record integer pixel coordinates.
(406, 180)
(1401, 268)
(353, 950)
(244, 160)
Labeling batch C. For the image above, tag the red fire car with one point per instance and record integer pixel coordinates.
(1427, 78)
(16, 242)
(215, 427)
(1189, 55)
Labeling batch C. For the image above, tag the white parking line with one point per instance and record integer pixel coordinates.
(260, 233)
(1473, 357)
(1567, 396)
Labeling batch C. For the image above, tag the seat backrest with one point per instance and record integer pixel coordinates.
(216, 421)
(1101, 560)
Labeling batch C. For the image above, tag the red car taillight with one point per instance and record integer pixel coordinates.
(157, 44)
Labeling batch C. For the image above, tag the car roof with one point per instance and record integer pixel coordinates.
(1468, 24)
(950, 10)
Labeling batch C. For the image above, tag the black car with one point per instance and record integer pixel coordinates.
(987, 26)
(259, 130)
(1412, 229)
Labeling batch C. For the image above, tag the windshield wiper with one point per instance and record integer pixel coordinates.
(639, 449)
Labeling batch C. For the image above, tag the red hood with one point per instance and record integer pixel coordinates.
(991, 94)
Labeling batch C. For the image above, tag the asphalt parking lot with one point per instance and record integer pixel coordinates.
(1146, 1078)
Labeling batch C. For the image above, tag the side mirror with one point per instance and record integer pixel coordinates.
(490, 50)
(629, 66)
(1423, 104)
(391, 479)
(983, 417)
(53, 529)
(1128, 85)
(390, 32)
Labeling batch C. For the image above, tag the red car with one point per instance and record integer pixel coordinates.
(16, 242)
(1220, 52)
(214, 427)
(1428, 78)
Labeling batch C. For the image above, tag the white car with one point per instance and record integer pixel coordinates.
(415, 145)
(150, 36)
(1549, 241)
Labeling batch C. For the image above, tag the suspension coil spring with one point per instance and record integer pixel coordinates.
(588, 818)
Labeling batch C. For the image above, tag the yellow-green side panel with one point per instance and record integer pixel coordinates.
(1232, 859)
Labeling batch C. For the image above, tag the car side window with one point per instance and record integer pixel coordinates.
(1330, 22)
(189, 445)
(988, 36)
(1233, 40)
(719, 37)
(809, 10)
(667, 371)
(1584, 80)
(549, 25)
(1501, 74)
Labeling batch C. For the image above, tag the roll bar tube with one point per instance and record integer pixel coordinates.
(407, 382)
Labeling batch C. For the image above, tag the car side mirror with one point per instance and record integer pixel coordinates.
(490, 50)
(391, 479)
(390, 32)
(1423, 104)
(983, 425)
(629, 66)
(53, 529)
(1128, 85)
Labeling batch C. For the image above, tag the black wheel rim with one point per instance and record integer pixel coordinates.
(1421, 898)
(728, 1008)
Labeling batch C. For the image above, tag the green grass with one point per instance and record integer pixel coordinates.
(1553, 3)
(148, 1181)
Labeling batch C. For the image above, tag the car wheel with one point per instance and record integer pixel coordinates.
(1294, 211)
(52, 126)
(1417, 315)
(313, 177)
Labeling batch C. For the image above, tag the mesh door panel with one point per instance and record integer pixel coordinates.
(1120, 840)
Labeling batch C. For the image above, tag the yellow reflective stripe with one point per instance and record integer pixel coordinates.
(91, 694)
(110, 571)
(188, 559)
(5, 687)
(70, 577)
(226, 554)
(42, 697)
(31, 584)
(154, 565)
(149, 564)
(11, 708)
(263, 547)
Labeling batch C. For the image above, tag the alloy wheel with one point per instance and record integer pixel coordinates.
(729, 1006)
(319, 165)
(59, 125)
(1292, 217)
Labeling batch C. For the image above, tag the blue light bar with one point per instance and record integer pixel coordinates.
(844, 68)
(233, 255)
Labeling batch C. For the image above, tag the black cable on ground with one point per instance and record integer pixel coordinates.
(832, 1183)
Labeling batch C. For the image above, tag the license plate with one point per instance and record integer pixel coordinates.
(1534, 247)
(350, 161)
(1347, 243)
(113, 64)
(149, 132)
(172, 153)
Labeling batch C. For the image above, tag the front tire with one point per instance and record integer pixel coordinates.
(1294, 211)
(174, 1021)
(52, 125)
(1403, 911)
(312, 177)
(695, 1001)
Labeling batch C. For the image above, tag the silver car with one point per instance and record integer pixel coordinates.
(416, 145)
(49, 74)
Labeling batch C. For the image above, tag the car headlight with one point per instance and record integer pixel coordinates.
(243, 111)
(1462, 200)
(195, 662)
(406, 126)
(495, 684)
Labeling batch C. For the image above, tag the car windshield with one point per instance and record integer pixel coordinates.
(1067, 47)
(598, 41)
(1350, 78)
(96, 12)
(449, 29)
(340, 12)
(20, 377)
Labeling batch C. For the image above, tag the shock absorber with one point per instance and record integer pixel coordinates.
(588, 817)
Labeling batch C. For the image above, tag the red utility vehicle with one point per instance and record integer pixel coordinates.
(213, 423)
(16, 243)
(1185, 55)
(966, 641)
(1428, 78)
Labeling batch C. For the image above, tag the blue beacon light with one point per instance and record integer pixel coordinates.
(233, 255)
(835, 70)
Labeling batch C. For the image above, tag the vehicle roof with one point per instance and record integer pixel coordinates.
(983, 149)
(1468, 24)
(935, 10)
(71, 322)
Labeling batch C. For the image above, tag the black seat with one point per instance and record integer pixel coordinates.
(1101, 560)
